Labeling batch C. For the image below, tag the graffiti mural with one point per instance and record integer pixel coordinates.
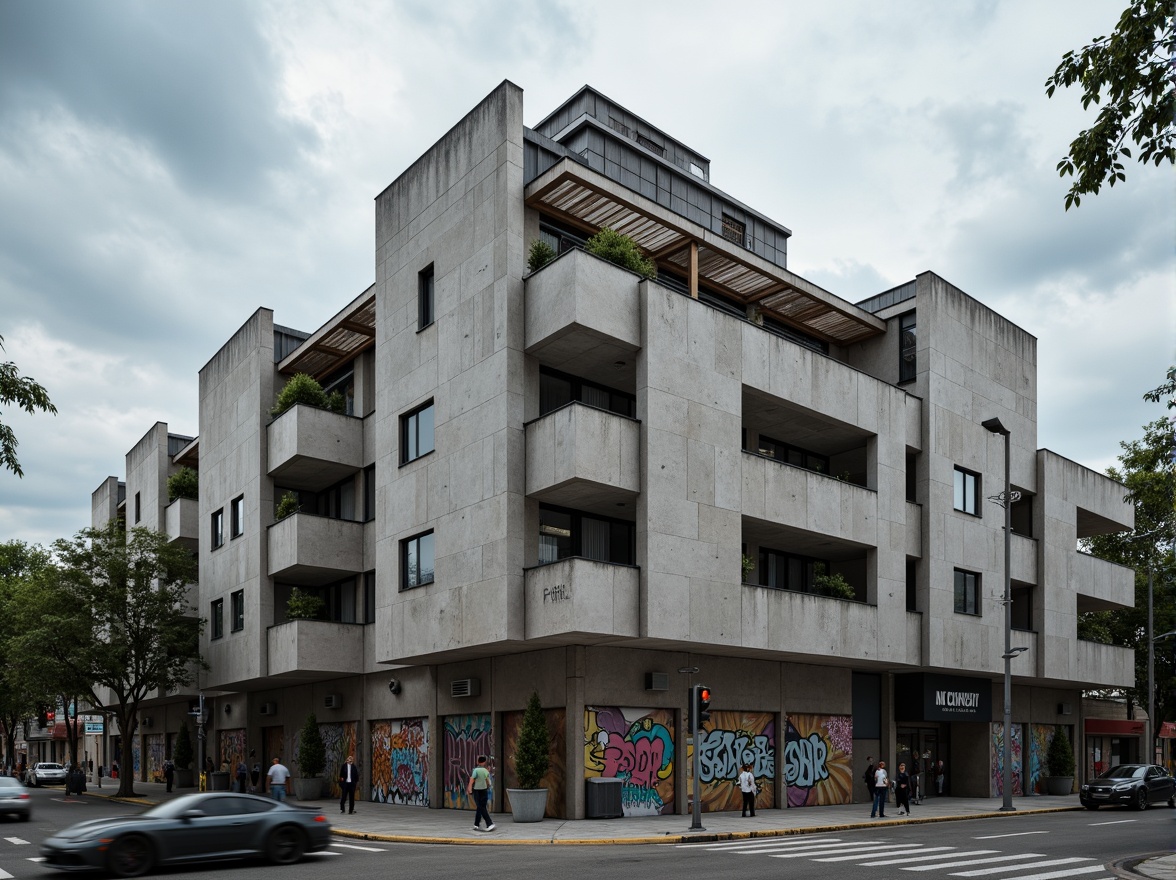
(1040, 736)
(464, 737)
(636, 745)
(232, 749)
(996, 756)
(136, 757)
(400, 762)
(818, 760)
(339, 739)
(153, 748)
(553, 781)
(730, 740)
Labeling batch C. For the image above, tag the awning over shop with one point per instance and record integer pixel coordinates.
(1111, 727)
(1168, 730)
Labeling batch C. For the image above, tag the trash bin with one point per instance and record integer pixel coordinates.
(75, 781)
(602, 797)
(220, 780)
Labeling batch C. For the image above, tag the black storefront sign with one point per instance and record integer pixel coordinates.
(929, 696)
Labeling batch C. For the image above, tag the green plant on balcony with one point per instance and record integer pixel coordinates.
(616, 247)
(833, 585)
(303, 606)
(287, 505)
(184, 483)
(747, 564)
(541, 254)
(303, 388)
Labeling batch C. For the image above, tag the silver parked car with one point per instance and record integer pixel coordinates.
(15, 799)
(46, 773)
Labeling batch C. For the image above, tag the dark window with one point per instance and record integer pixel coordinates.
(416, 561)
(557, 389)
(966, 490)
(911, 481)
(237, 517)
(339, 600)
(138, 511)
(560, 237)
(733, 230)
(369, 493)
(566, 533)
(907, 364)
(785, 331)
(792, 455)
(238, 610)
(218, 528)
(1021, 611)
(369, 597)
(416, 433)
(787, 571)
(217, 618)
(912, 571)
(651, 146)
(343, 381)
(967, 592)
(336, 502)
(425, 298)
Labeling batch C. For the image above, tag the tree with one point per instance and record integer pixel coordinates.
(29, 396)
(312, 751)
(1132, 67)
(183, 753)
(111, 617)
(18, 562)
(532, 751)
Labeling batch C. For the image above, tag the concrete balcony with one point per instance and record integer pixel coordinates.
(308, 549)
(804, 624)
(802, 499)
(1105, 665)
(1023, 556)
(582, 457)
(580, 306)
(181, 522)
(310, 650)
(311, 448)
(1101, 585)
(581, 601)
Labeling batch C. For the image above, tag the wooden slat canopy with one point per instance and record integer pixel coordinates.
(338, 341)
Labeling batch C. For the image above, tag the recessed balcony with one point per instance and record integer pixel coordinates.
(181, 522)
(808, 501)
(581, 601)
(311, 448)
(308, 549)
(582, 457)
(310, 650)
(804, 624)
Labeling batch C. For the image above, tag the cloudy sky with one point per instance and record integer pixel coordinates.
(168, 167)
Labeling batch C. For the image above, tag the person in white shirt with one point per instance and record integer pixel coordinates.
(278, 774)
(348, 778)
(747, 786)
(881, 788)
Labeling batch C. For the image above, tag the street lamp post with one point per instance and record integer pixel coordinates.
(695, 732)
(1151, 669)
(1006, 501)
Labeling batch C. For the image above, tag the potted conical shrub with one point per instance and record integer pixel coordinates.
(183, 758)
(528, 802)
(1059, 764)
(312, 759)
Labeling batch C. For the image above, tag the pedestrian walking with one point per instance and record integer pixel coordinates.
(881, 787)
(902, 790)
(348, 779)
(169, 773)
(747, 787)
(479, 787)
(277, 776)
(940, 777)
(868, 777)
(242, 774)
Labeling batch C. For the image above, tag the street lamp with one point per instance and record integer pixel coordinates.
(1005, 500)
(1151, 669)
(696, 731)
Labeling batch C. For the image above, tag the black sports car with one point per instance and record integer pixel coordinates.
(1136, 785)
(191, 828)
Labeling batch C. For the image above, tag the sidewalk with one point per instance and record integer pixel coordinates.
(394, 823)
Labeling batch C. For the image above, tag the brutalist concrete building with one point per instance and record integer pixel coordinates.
(580, 481)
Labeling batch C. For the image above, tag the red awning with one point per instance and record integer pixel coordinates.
(1168, 730)
(1108, 727)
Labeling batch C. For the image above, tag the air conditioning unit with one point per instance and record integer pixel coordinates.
(333, 701)
(1065, 708)
(269, 709)
(657, 681)
(465, 687)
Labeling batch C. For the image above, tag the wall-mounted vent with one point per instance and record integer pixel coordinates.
(333, 701)
(651, 146)
(657, 681)
(268, 709)
(465, 687)
(1065, 708)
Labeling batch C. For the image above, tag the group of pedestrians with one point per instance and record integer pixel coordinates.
(905, 785)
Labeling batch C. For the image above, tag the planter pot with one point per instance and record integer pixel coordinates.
(308, 788)
(184, 778)
(1058, 785)
(527, 804)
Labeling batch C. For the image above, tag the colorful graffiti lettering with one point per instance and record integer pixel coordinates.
(232, 748)
(1040, 736)
(153, 746)
(400, 762)
(637, 746)
(730, 740)
(465, 737)
(818, 760)
(554, 780)
(996, 755)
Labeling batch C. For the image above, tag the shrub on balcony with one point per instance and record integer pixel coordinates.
(541, 254)
(303, 388)
(747, 564)
(303, 606)
(832, 585)
(287, 505)
(616, 247)
(184, 483)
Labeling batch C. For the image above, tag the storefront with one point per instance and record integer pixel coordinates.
(1109, 742)
(928, 708)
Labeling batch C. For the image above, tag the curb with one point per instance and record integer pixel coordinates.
(1125, 868)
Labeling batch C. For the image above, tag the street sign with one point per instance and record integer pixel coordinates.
(93, 727)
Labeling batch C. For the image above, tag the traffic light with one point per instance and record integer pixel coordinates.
(49, 718)
(702, 700)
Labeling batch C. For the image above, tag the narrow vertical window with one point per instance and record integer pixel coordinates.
(238, 610)
(369, 597)
(416, 561)
(237, 517)
(369, 493)
(425, 298)
(965, 490)
(218, 528)
(138, 509)
(907, 363)
(416, 433)
(217, 618)
(967, 592)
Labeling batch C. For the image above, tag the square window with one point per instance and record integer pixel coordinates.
(238, 610)
(217, 618)
(425, 298)
(966, 490)
(967, 592)
(416, 561)
(416, 433)
(237, 517)
(218, 528)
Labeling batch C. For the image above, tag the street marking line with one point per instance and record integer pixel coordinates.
(17, 841)
(324, 852)
(800, 847)
(1057, 875)
(1048, 863)
(912, 848)
(978, 862)
(758, 840)
(364, 848)
(1117, 822)
(4, 875)
(37, 859)
(952, 853)
(876, 850)
(1018, 834)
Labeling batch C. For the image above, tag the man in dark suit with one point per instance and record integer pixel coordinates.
(348, 779)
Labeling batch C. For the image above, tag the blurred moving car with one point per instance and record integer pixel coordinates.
(211, 826)
(1136, 785)
(46, 773)
(15, 799)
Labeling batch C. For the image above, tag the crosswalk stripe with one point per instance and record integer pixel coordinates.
(1016, 834)
(805, 847)
(4, 875)
(759, 841)
(1048, 863)
(948, 852)
(967, 862)
(911, 849)
(16, 840)
(877, 850)
(354, 846)
(745, 846)
(1116, 822)
(324, 852)
(1057, 875)
(37, 859)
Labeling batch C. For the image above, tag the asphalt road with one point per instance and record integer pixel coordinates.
(1056, 846)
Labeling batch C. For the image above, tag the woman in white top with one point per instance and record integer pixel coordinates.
(747, 786)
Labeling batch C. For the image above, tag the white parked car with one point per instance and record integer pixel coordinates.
(45, 773)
